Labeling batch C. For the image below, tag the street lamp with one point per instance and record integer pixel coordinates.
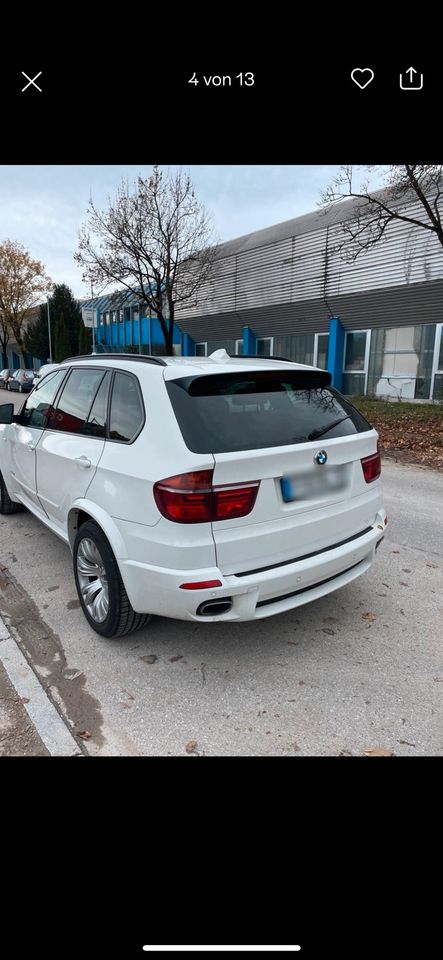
(49, 333)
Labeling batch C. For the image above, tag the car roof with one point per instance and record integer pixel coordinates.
(174, 367)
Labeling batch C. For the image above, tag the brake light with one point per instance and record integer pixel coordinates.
(235, 501)
(192, 498)
(371, 467)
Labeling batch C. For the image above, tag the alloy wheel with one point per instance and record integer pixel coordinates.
(92, 580)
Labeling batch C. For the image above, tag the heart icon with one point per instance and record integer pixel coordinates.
(362, 76)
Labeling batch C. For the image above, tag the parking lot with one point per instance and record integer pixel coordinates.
(359, 669)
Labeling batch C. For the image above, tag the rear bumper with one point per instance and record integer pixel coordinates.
(153, 589)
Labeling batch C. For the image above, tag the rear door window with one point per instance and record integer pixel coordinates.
(253, 410)
(76, 400)
(95, 425)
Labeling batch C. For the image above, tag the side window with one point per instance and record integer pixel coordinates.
(76, 400)
(38, 407)
(95, 425)
(126, 408)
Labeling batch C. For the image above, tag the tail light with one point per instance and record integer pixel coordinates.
(192, 498)
(371, 467)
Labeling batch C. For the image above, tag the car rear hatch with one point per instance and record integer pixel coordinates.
(292, 433)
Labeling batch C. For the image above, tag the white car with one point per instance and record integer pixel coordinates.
(201, 489)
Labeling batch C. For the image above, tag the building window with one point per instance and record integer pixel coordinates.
(355, 371)
(265, 346)
(321, 350)
(401, 361)
(201, 349)
(239, 348)
(297, 347)
(355, 351)
(437, 392)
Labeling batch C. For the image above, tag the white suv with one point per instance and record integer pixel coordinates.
(219, 488)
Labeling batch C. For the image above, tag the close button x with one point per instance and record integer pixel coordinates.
(32, 81)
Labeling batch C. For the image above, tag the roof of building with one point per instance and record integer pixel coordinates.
(298, 226)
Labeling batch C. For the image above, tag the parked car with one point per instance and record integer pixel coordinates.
(46, 368)
(23, 381)
(4, 376)
(10, 379)
(206, 489)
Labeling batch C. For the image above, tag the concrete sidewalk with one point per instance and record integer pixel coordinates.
(18, 736)
(30, 725)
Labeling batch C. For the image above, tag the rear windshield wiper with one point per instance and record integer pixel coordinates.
(319, 433)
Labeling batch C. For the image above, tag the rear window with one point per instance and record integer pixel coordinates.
(227, 412)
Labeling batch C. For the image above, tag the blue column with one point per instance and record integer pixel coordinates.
(249, 341)
(188, 346)
(336, 351)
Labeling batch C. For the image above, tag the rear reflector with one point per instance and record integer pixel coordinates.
(191, 498)
(201, 585)
(371, 467)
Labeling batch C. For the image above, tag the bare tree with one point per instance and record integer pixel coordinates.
(4, 337)
(154, 240)
(420, 185)
(22, 283)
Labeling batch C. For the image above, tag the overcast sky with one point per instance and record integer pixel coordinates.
(42, 207)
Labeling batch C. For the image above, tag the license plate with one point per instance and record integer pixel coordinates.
(317, 484)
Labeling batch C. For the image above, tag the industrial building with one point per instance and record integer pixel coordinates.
(375, 323)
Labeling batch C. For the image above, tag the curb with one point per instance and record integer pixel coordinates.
(48, 723)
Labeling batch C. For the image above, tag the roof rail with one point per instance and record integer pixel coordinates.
(118, 356)
(253, 356)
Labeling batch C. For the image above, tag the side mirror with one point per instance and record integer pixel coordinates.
(6, 412)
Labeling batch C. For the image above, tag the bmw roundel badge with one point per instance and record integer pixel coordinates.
(321, 457)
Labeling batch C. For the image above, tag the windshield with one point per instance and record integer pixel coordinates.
(250, 411)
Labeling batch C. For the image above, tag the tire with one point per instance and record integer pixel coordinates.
(6, 504)
(109, 613)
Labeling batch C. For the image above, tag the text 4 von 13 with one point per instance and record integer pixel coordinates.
(241, 80)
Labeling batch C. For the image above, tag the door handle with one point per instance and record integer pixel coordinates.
(31, 445)
(83, 462)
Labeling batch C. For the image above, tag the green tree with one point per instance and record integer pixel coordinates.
(62, 303)
(84, 340)
(36, 334)
(62, 341)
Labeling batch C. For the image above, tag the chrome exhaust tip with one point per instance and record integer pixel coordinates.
(214, 608)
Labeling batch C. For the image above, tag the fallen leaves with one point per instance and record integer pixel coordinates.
(191, 746)
(150, 658)
(179, 656)
(369, 616)
(411, 433)
(84, 734)
(377, 752)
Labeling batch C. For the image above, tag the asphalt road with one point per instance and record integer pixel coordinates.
(361, 668)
